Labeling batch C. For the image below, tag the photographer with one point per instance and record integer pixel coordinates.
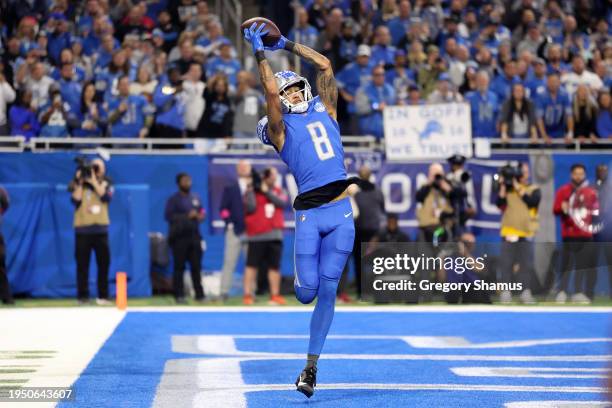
(264, 225)
(519, 200)
(434, 201)
(91, 193)
(184, 213)
(458, 179)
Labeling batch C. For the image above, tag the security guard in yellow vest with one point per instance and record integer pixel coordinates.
(519, 200)
(91, 194)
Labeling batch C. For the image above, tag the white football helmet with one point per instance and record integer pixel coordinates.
(287, 79)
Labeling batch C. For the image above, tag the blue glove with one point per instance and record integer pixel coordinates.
(280, 44)
(253, 35)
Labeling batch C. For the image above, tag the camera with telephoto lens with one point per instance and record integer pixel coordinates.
(508, 173)
(86, 168)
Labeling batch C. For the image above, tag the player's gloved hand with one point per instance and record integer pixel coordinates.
(280, 44)
(253, 35)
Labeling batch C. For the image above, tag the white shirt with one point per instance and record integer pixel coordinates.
(194, 103)
(7, 95)
(571, 80)
(40, 90)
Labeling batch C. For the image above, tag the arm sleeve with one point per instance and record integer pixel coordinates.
(250, 201)
(8, 92)
(558, 201)
(279, 201)
(422, 193)
(108, 192)
(533, 200)
(504, 113)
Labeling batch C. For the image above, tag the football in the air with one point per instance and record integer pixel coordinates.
(273, 32)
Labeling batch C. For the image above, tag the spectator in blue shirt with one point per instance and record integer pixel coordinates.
(107, 79)
(554, 59)
(53, 116)
(484, 106)
(554, 111)
(70, 87)
(224, 64)
(307, 35)
(67, 57)
(22, 117)
(169, 101)
(104, 53)
(59, 38)
(130, 116)
(346, 44)
(167, 31)
(400, 25)
(536, 85)
(382, 50)
(604, 116)
(371, 100)
(400, 77)
(91, 119)
(350, 79)
(451, 30)
(502, 83)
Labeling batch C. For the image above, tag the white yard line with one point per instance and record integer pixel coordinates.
(72, 335)
(380, 309)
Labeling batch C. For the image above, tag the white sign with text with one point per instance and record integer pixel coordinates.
(428, 131)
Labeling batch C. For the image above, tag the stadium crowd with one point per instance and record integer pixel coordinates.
(539, 69)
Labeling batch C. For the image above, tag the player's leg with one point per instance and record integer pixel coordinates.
(306, 256)
(335, 250)
(336, 247)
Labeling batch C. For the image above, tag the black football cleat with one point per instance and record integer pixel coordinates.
(307, 381)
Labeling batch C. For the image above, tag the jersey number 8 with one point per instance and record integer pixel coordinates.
(322, 145)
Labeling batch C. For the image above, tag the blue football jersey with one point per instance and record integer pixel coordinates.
(313, 147)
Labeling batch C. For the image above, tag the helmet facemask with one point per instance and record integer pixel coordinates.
(286, 80)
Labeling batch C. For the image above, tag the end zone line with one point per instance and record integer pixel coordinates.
(419, 387)
(375, 309)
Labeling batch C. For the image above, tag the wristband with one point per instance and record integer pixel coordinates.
(260, 56)
(289, 45)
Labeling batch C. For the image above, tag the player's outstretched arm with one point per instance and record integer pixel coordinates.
(276, 126)
(326, 83)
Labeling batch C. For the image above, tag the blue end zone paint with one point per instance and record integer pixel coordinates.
(127, 369)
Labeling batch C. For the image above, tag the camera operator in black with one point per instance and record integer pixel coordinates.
(5, 289)
(184, 213)
(458, 178)
(519, 200)
(91, 193)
